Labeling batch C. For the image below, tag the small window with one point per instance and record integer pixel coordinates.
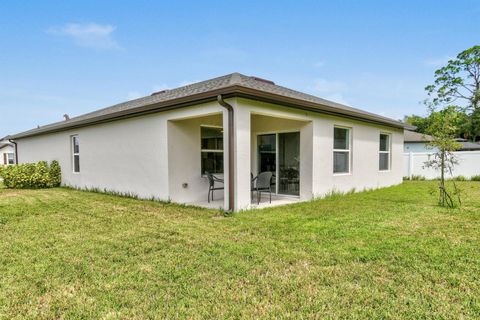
(10, 158)
(384, 152)
(341, 150)
(212, 149)
(76, 154)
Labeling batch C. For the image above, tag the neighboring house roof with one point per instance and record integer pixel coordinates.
(231, 85)
(416, 137)
(469, 146)
(5, 144)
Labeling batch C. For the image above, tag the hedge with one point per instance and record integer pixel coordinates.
(32, 175)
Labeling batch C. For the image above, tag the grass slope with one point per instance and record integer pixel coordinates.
(390, 253)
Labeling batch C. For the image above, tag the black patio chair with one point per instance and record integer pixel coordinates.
(252, 184)
(262, 184)
(211, 184)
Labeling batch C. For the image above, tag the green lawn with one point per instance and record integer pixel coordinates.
(390, 253)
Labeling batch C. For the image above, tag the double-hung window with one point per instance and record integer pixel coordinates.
(10, 158)
(341, 150)
(212, 149)
(384, 152)
(76, 154)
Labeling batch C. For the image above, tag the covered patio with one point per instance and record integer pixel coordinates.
(272, 144)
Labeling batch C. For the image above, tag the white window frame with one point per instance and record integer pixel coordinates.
(210, 150)
(349, 151)
(389, 151)
(8, 158)
(75, 136)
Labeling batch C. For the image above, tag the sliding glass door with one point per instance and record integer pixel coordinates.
(280, 154)
(289, 163)
(267, 153)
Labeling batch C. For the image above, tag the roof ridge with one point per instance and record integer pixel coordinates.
(236, 78)
(145, 97)
(202, 82)
(205, 89)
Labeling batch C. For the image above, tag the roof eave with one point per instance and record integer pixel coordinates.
(6, 145)
(315, 107)
(231, 91)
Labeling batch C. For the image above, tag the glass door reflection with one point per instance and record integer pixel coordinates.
(289, 163)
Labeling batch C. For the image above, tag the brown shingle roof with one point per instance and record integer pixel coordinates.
(5, 144)
(234, 84)
(412, 136)
(469, 146)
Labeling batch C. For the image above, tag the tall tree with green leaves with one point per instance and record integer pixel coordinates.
(443, 128)
(458, 84)
(422, 123)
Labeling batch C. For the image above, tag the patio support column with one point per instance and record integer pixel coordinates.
(322, 158)
(242, 157)
(306, 161)
(226, 132)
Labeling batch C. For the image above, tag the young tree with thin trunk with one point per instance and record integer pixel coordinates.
(443, 128)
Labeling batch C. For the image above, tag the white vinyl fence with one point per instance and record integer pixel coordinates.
(414, 164)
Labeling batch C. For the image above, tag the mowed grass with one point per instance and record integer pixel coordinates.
(390, 253)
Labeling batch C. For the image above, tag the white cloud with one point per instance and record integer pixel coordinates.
(91, 35)
(436, 62)
(319, 64)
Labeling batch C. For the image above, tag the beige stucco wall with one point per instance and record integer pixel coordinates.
(316, 152)
(127, 156)
(364, 173)
(184, 151)
(153, 155)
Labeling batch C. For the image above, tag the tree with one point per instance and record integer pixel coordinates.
(423, 123)
(443, 128)
(458, 83)
(418, 121)
(472, 125)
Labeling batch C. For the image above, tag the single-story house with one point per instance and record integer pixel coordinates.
(234, 127)
(7, 152)
(418, 143)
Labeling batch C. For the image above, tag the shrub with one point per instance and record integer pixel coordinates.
(41, 175)
(475, 178)
(55, 174)
(30, 175)
(459, 178)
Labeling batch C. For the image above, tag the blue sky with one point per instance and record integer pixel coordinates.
(58, 57)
